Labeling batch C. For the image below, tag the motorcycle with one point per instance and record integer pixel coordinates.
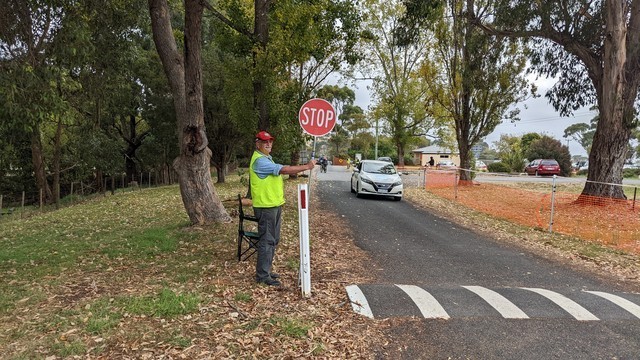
(323, 167)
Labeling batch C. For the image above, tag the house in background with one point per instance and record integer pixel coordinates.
(422, 155)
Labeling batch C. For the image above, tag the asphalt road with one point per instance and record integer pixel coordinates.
(454, 294)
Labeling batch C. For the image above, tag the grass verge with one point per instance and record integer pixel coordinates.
(126, 276)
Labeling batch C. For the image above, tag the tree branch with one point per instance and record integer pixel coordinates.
(220, 16)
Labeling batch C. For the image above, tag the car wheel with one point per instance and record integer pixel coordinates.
(358, 194)
(351, 186)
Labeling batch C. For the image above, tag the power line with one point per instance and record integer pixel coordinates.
(553, 118)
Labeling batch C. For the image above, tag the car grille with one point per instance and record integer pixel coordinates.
(382, 186)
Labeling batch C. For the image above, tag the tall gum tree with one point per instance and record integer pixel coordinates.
(473, 79)
(398, 91)
(184, 73)
(593, 47)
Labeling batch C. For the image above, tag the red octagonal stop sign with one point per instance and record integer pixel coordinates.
(317, 117)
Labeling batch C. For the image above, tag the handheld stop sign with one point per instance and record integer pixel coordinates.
(317, 117)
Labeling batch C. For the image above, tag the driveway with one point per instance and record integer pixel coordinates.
(455, 294)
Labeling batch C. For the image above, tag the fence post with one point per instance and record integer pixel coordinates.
(40, 200)
(553, 200)
(455, 185)
(0, 205)
(633, 205)
(22, 208)
(424, 179)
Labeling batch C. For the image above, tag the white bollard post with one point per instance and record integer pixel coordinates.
(553, 201)
(303, 220)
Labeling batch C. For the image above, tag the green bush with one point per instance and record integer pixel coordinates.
(408, 160)
(630, 173)
(498, 167)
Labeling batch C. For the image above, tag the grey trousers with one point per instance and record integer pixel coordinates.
(269, 220)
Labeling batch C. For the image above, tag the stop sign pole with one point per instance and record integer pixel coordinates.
(317, 118)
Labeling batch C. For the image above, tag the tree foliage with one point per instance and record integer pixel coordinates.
(473, 78)
(399, 92)
(592, 47)
(509, 150)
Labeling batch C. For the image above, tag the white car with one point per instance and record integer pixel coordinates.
(481, 166)
(445, 164)
(373, 177)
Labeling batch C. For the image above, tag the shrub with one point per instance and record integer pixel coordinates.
(630, 173)
(408, 160)
(498, 167)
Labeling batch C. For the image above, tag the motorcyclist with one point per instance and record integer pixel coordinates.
(323, 163)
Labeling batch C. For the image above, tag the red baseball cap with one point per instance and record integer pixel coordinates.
(264, 136)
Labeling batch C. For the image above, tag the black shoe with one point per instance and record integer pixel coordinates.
(275, 276)
(270, 282)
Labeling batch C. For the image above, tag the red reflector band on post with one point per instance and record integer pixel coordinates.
(303, 199)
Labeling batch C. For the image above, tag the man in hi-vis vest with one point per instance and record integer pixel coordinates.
(267, 194)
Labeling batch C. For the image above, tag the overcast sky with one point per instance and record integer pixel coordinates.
(539, 117)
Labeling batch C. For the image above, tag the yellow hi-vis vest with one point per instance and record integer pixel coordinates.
(267, 192)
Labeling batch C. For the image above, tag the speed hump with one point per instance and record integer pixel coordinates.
(317, 117)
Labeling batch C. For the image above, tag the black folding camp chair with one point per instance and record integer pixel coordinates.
(247, 240)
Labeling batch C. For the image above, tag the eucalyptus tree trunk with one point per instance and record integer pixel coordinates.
(37, 158)
(57, 155)
(261, 34)
(185, 79)
(616, 89)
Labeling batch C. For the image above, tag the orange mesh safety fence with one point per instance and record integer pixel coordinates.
(615, 223)
(440, 178)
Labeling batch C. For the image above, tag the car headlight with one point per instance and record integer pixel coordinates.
(367, 181)
(397, 183)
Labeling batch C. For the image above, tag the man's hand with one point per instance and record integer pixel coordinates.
(311, 164)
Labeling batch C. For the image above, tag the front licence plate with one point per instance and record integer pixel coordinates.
(383, 191)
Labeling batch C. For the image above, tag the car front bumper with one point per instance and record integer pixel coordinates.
(382, 189)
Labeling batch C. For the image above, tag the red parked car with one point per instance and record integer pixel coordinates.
(543, 167)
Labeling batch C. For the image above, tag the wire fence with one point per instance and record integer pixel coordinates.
(28, 202)
(549, 204)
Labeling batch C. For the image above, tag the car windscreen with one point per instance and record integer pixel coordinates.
(374, 168)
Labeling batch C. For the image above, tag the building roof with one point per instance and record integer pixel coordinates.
(434, 149)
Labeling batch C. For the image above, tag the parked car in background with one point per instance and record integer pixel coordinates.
(539, 167)
(579, 165)
(584, 166)
(445, 164)
(481, 166)
(373, 177)
(385, 158)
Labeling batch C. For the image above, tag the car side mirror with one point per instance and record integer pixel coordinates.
(355, 169)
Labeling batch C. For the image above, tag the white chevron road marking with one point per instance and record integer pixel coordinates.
(570, 306)
(620, 301)
(359, 302)
(428, 305)
(505, 307)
